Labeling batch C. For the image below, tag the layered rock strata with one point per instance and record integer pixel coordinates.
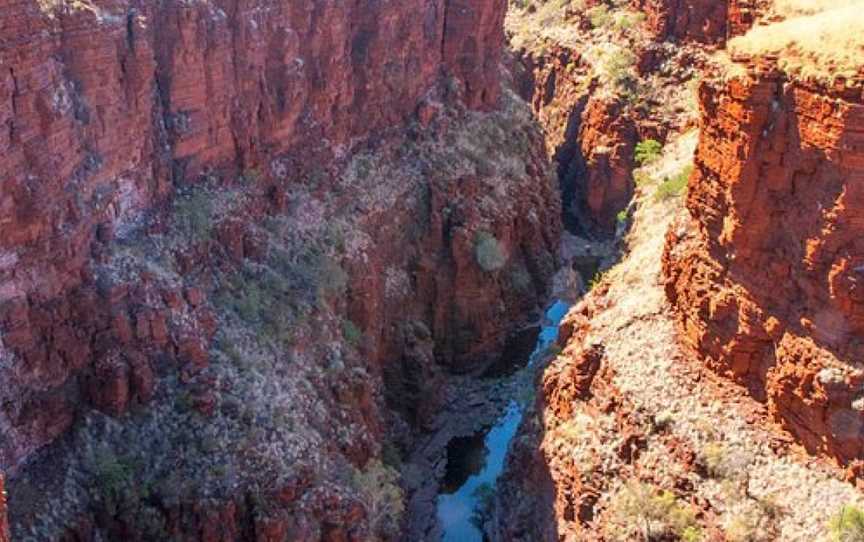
(698, 20)
(110, 105)
(766, 269)
(241, 243)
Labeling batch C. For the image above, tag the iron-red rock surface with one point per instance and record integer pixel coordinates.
(699, 20)
(766, 272)
(111, 104)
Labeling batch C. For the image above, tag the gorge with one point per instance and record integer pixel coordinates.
(431, 270)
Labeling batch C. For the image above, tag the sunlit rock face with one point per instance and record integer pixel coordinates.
(766, 272)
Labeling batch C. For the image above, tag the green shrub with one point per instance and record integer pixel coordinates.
(595, 280)
(628, 20)
(641, 178)
(621, 217)
(114, 480)
(232, 352)
(752, 523)
(692, 534)
(351, 332)
(643, 512)
(112, 474)
(599, 16)
(617, 68)
(194, 215)
(674, 186)
(391, 455)
(647, 151)
(488, 252)
(847, 525)
(332, 279)
(251, 176)
(520, 279)
(249, 305)
(378, 487)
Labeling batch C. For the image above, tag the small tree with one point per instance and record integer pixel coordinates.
(647, 151)
(488, 252)
(847, 525)
(378, 486)
(351, 332)
(641, 511)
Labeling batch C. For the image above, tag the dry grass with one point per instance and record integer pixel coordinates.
(794, 8)
(531, 24)
(822, 45)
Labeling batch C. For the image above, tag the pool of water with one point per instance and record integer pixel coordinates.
(475, 462)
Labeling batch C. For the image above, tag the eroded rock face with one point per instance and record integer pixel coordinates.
(744, 13)
(231, 255)
(593, 120)
(547, 483)
(602, 172)
(698, 20)
(767, 270)
(109, 105)
(589, 136)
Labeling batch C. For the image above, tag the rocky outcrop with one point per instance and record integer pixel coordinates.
(703, 21)
(596, 103)
(601, 172)
(110, 105)
(550, 490)
(401, 271)
(591, 138)
(743, 14)
(766, 269)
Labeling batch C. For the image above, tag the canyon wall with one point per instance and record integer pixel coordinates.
(766, 272)
(591, 138)
(596, 104)
(243, 244)
(110, 105)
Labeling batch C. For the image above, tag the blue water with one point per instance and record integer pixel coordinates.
(456, 508)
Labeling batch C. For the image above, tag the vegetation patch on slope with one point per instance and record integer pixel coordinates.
(819, 44)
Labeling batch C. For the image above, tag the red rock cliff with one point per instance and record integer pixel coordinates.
(767, 271)
(699, 20)
(107, 105)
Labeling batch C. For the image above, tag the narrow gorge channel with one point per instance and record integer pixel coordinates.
(431, 271)
(475, 462)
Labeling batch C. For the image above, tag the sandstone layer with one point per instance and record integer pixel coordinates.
(700, 20)
(766, 269)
